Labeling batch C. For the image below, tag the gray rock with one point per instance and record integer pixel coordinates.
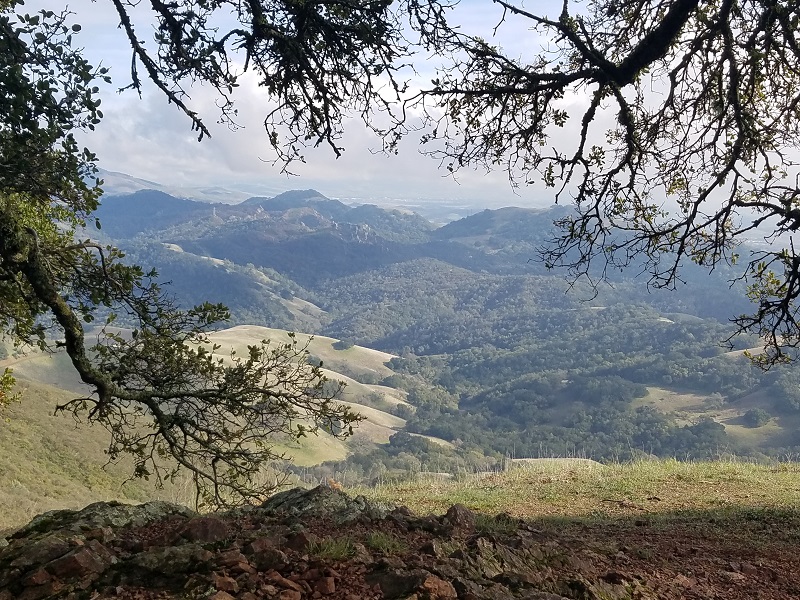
(170, 560)
(397, 583)
(102, 514)
(39, 552)
(323, 501)
(465, 586)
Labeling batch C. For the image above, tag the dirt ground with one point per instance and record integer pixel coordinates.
(316, 544)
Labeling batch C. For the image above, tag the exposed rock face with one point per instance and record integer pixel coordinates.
(102, 514)
(323, 501)
(300, 544)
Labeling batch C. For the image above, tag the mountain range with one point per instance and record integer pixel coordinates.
(496, 354)
(310, 240)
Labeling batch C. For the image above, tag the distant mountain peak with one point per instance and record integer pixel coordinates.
(309, 194)
(294, 199)
(291, 198)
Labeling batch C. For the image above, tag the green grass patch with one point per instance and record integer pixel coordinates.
(637, 490)
(501, 524)
(386, 543)
(338, 548)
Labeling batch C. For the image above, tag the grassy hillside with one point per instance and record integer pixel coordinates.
(588, 490)
(49, 369)
(686, 407)
(372, 401)
(357, 359)
(51, 462)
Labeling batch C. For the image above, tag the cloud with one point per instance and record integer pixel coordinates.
(151, 139)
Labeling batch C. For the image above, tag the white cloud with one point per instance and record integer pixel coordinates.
(151, 139)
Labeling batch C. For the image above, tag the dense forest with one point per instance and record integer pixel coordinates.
(499, 357)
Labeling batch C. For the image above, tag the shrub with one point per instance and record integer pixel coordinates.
(756, 417)
(404, 411)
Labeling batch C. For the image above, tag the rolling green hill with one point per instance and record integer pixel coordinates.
(50, 461)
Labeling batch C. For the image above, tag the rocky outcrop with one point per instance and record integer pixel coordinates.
(299, 544)
(114, 515)
(323, 501)
(64, 552)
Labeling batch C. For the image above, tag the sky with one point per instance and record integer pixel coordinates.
(150, 139)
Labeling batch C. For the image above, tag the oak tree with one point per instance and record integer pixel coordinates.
(162, 389)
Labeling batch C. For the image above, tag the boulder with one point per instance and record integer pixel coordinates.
(323, 501)
(461, 519)
(205, 530)
(100, 515)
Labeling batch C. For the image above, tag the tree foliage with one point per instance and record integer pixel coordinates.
(670, 125)
(756, 417)
(6, 385)
(162, 392)
(318, 61)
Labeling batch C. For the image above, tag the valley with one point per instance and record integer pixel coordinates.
(458, 347)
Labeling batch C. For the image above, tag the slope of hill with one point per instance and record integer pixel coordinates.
(117, 184)
(780, 430)
(704, 531)
(51, 461)
(356, 360)
(252, 294)
(147, 210)
(490, 228)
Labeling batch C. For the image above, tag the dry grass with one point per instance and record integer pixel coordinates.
(378, 425)
(571, 489)
(435, 440)
(313, 450)
(50, 369)
(356, 358)
(669, 401)
(391, 395)
(50, 462)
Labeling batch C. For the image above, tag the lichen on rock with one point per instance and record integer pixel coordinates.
(102, 514)
(323, 501)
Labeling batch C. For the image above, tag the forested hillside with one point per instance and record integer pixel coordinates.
(498, 356)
